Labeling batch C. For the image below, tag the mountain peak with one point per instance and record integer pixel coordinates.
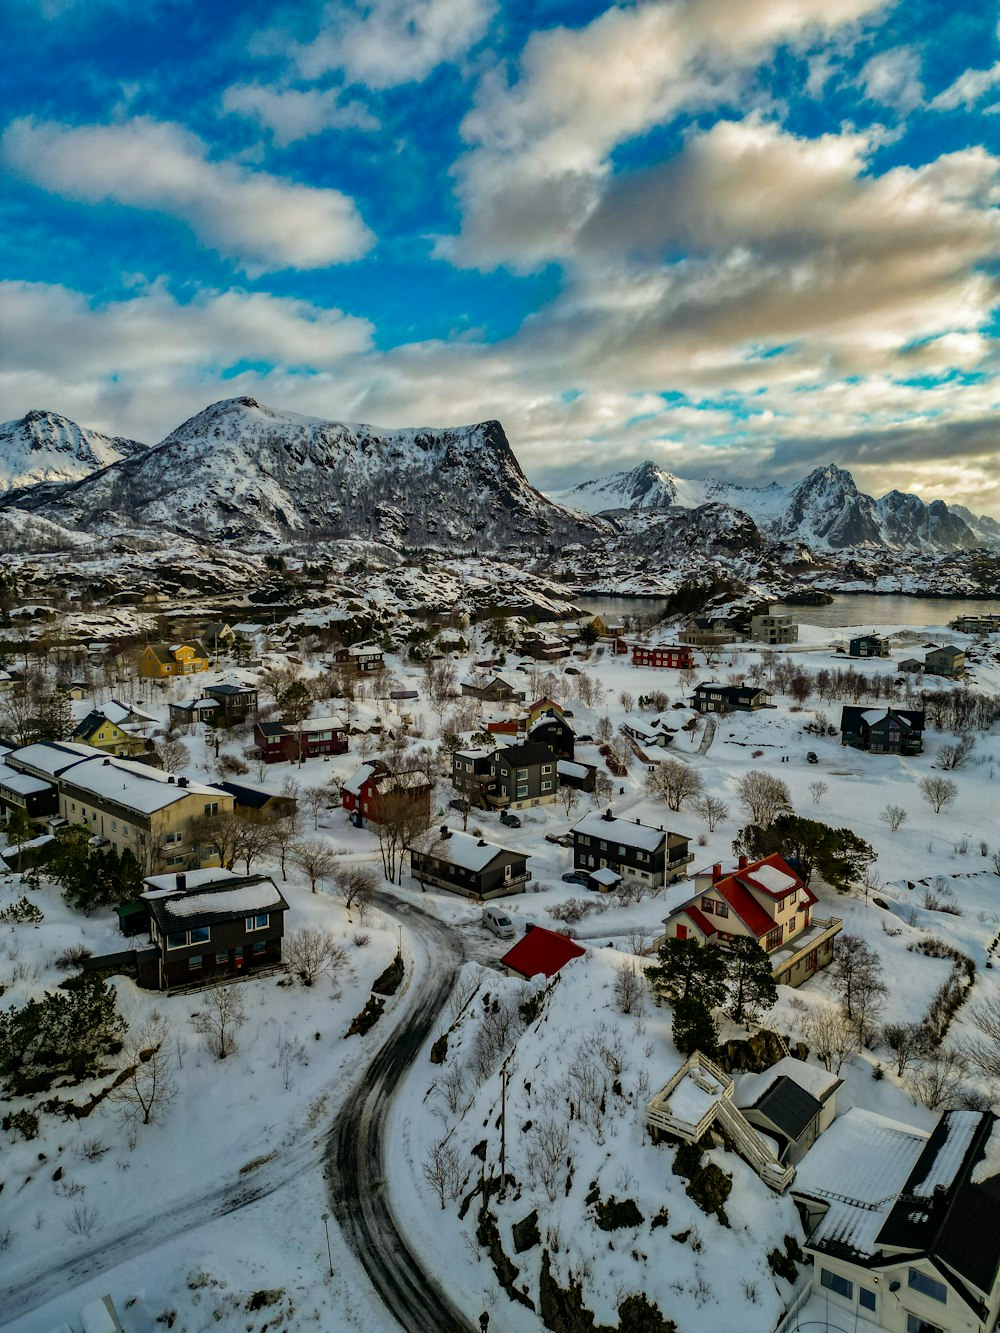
(44, 446)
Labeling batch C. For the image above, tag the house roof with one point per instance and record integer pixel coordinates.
(52, 757)
(137, 786)
(771, 874)
(699, 918)
(468, 852)
(627, 832)
(820, 1083)
(22, 783)
(357, 780)
(91, 723)
(746, 907)
(788, 1106)
(527, 755)
(214, 903)
(115, 711)
(252, 795)
(541, 951)
(911, 719)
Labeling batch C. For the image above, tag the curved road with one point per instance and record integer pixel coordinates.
(353, 1156)
(356, 1145)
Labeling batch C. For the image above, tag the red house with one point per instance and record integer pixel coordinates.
(290, 742)
(364, 793)
(765, 900)
(674, 655)
(540, 950)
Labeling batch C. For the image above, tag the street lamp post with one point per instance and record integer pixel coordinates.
(326, 1228)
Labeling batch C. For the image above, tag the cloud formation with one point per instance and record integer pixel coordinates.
(292, 114)
(257, 219)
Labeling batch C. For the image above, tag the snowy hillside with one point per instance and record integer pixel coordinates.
(45, 447)
(825, 510)
(241, 473)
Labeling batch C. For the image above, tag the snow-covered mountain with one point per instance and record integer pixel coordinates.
(243, 474)
(825, 510)
(45, 447)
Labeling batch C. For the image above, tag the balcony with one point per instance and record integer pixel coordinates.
(819, 932)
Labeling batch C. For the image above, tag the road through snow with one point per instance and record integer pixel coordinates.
(356, 1148)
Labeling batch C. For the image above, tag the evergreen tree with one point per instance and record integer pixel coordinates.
(67, 1032)
(694, 1026)
(688, 969)
(838, 856)
(751, 981)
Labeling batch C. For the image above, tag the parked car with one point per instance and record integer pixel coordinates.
(497, 920)
(458, 804)
(510, 820)
(812, 757)
(585, 737)
(577, 877)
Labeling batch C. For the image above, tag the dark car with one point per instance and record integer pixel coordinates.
(576, 877)
(812, 757)
(585, 737)
(510, 820)
(458, 804)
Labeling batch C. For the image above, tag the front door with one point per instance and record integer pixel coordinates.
(682, 932)
(238, 958)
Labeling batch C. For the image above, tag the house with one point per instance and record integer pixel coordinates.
(220, 635)
(157, 661)
(882, 731)
(581, 776)
(37, 797)
(543, 647)
(281, 742)
(910, 666)
(715, 698)
(128, 715)
(604, 626)
(903, 1226)
(373, 791)
(763, 900)
(676, 655)
(236, 700)
(250, 798)
(492, 689)
(540, 952)
(655, 732)
(868, 645)
(75, 690)
(509, 777)
(213, 923)
(553, 730)
(360, 657)
(948, 662)
(466, 864)
(709, 632)
(777, 628)
(540, 708)
(792, 1102)
(187, 712)
(985, 624)
(98, 730)
(653, 856)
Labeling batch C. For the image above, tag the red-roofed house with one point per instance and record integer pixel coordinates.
(540, 950)
(765, 900)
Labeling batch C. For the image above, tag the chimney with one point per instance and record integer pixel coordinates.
(182, 882)
(481, 842)
(607, 814)
(743, 862)
(182, 782)
(716, 872)
(528, 925)
(445, 831)
(171, 778)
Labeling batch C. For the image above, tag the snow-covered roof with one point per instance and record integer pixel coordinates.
(53, 757)
(772, 879)
(629, 833)
(137, 786)
(22, 783)
(329, 723)
(858, 1167)
(466, 851)
(816, 1081)
(571, 769)
(605, 875)
(195, 879)
(262, 897)
(960, 1129)
(358, 779)
(117, 712)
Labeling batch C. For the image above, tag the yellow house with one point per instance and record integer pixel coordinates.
(103, 734)
(159, 660)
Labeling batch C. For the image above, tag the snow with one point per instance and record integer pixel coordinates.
(195, 879)
(263, 897)
(961, 1127)
(624, 832)
(989, 1164)
(464, 850)
(773, 879)
(812, 1078)
(138, 786)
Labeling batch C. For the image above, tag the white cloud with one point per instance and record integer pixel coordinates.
(387, 43)
(892, 78)
(968, 89)
(292, 114)
(540, 146)
(260, 220)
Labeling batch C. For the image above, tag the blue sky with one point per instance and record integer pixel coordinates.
(735, 237)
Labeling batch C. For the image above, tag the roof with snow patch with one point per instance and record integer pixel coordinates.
(541, 951)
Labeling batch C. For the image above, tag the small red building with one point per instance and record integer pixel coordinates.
(365, 792)
(540, 950)
(289, 742)
(677, 655)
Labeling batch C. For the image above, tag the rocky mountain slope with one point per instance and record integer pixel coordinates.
(825, 510)
(45, 447)
(239, 473)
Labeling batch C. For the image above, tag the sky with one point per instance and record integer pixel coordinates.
(741, 238)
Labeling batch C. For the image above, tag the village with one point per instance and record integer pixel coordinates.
(711, 909)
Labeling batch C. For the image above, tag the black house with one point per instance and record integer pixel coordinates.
(556, 733)
(236, 702)
(509, 777)
(652, 855)
(466, 864)
(868, 645)
(209, 923)
(713, 698)
(892, 731)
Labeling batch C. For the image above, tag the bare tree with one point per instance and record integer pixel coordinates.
(173, 754)
(315, 858)
(984, 1049)
(548, 1146)
(568, 798)
(354, 886)
(443, 1171)
(604, 729)
(284, 832)
(894, 816)
(937, 1081)
(149, 1086)
(712, 809)
(817, 790)
(403, 819)
(252, 837)
(831, 1035)
(674, 783)
(626, 700)
(938, 791)
(856, 973)
(218, 832)
(629, 989)
(316, 800)
(954, 756)
(313, 952)
(220, 1018)
(763, 796)
(905, 1040)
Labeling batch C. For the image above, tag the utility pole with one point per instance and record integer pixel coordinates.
(503, 1131)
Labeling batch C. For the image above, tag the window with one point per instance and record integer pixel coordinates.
(835, 1283)
(927, 1285)
(194, 963)
(708, 905)
(174, 861)
(199, 935)
(258, 922)
(914, 1324)
(522, 775)
(621, 851)
(721, 909)
(222, 957)
(173, 837)
(584, 840)
(546, 768)
(546, 786)
(177, 940)
(867, 1299)
(259, 948)
(773, 939)
(212, 808)
(522, 789)
(114, 826)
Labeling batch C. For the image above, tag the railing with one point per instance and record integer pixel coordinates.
(787, 1321)
(752, 1147)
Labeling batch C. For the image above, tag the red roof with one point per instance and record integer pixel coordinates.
(745, 905)
(541, 950)
(699, 918)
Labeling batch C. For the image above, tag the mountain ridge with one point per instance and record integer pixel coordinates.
(45, 447)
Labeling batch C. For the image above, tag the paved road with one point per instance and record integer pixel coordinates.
(356, 1145)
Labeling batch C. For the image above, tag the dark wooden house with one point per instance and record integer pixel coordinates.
(373, 790)
(236, 702)
(868, 645)
(714, 698)
(492, 689)
(469, 865)
(882, 731)
(654, 856)
(288, 742)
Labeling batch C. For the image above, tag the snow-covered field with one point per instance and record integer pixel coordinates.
(229, 1115)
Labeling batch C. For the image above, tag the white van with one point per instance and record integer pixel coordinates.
(497, 920)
